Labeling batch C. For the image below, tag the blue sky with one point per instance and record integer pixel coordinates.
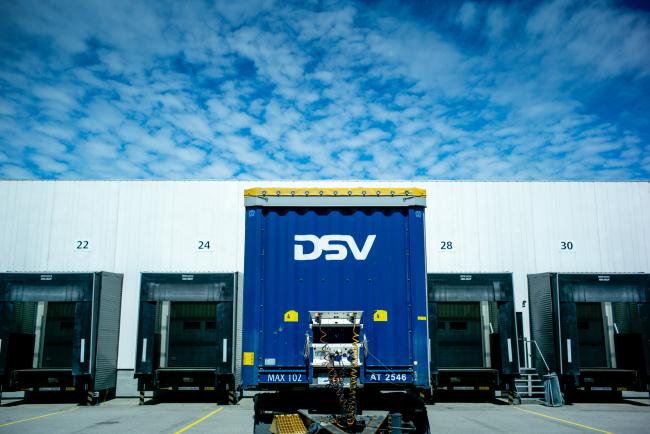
(324, 89)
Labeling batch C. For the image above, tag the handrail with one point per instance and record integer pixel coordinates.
(548, 370)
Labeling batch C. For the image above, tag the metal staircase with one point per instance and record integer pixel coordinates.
(529, 386)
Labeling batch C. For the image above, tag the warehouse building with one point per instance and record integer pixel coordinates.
(134, 227)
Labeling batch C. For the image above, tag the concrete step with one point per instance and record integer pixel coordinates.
(529, 392)
(532, 400)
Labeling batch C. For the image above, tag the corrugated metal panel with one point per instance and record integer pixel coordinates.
(494, 319)
(626, 317)
(460, 342)
(160, 227)
(59, 334)
(193, 310)
(238, 327)
(192, 341)
(135, 226)
(591, 337)
(386, 279)
(108, 331)
(542, 323)
(24, 317)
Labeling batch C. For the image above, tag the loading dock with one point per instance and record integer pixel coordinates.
(59, 332)
(593, 330)
(187, 334)
(472, 333)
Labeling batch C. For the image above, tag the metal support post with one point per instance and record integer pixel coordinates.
(486, 330)
(396, 423)
(164, 333)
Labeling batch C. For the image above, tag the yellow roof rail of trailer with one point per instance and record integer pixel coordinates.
(334, 192)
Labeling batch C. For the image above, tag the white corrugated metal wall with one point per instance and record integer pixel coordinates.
(135, 226)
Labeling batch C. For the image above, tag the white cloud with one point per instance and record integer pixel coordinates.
(12, 171)
(48, 165)
(6, 108)
(217, 169)
(56, 131)
(190, 155)
(195, 125)
(105, 113)
(467, 15)
(607, 41)
(337, 90)
(54, 95)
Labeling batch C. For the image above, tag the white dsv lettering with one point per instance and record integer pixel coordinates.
(331, 243)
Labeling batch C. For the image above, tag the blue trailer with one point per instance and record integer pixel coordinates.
(335, 302)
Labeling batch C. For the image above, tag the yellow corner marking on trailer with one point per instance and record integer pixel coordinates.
(291, 316)
(380, 315)
(249, 358)
(317, 192)
(422, 318)
(198, 421)
(568, 422)
(38, 417)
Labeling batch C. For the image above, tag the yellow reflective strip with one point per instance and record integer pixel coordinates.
(422, 318)
(568, 422)
(356, 191)
(198, 421)
(38, 417)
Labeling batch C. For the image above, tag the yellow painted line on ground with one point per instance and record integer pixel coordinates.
(568, 422)
(198, 421)
(38, 417)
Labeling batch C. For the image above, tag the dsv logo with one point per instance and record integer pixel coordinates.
(331, 243)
